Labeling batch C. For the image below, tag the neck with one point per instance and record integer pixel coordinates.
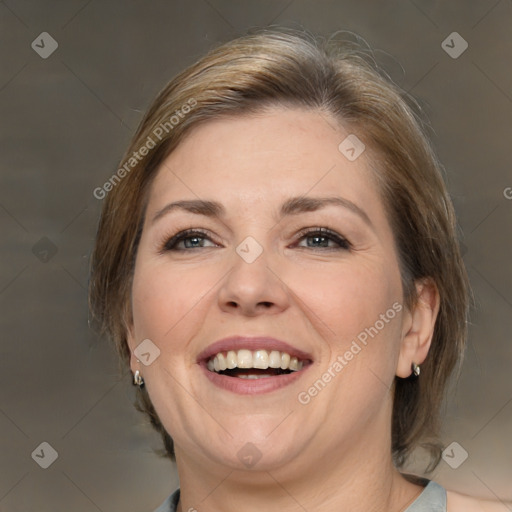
(358, 476)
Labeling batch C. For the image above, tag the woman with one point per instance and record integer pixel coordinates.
(277, 262)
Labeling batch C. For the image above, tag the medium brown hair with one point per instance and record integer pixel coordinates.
(283, 67)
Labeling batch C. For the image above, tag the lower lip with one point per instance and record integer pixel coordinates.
(252, 386)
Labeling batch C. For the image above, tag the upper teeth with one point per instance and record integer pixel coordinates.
(261, 359)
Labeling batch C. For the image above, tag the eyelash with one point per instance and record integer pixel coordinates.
(170, 243)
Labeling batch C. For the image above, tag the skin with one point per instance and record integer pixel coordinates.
(318, 456)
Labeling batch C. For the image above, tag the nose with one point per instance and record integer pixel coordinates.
(253, 286)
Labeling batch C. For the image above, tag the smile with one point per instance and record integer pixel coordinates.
(253, 364)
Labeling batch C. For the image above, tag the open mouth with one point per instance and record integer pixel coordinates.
(254, 364)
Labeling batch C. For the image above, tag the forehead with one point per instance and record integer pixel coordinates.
(253, 160)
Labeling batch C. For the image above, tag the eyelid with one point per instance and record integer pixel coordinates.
(171, 240)
(177, 236)
(329, 233)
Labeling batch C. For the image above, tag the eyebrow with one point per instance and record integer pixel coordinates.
(292, 206)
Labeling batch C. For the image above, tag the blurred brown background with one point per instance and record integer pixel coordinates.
(66, 118)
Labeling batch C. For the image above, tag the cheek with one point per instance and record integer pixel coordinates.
(349, 297)
(160, 298)
(170, 304)
(362, 304)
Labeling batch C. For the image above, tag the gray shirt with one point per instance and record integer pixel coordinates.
(431, 499)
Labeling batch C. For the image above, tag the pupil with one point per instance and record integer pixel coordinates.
(316, 238)
(193, 240)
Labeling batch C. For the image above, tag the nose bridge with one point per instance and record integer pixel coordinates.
(251, 261)
(253, 228)
(250, 249)
(251, 281)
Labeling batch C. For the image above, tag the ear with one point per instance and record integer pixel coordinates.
(131, 341)
(418, 327)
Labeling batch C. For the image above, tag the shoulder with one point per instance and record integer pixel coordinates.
(171, 503)
(457, 502)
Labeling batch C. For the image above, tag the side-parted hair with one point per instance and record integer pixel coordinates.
(290, 68)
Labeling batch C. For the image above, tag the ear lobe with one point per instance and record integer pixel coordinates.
(419, 327)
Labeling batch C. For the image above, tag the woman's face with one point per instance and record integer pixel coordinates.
(334, 297)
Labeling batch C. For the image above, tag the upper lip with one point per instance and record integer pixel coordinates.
(261, 342)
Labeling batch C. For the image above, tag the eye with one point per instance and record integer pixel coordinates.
(195, 239)
(322, 236)
(192, 238)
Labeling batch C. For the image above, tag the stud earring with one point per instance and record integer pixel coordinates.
(138, 380)
(416, 369)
